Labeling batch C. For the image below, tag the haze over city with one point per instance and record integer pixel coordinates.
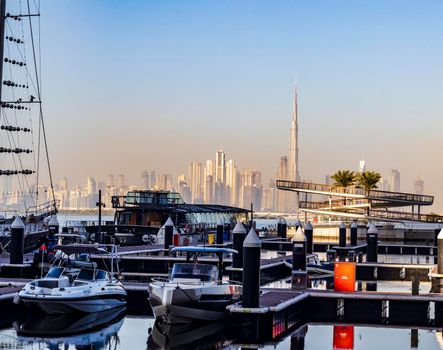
(175, 81)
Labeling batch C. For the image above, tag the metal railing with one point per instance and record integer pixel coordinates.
(383, 214)
(44, 208)
(407, 198)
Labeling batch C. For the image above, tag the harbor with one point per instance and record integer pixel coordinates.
(220, 175)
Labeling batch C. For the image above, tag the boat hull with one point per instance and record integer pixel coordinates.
(89, 304)
(184, 305)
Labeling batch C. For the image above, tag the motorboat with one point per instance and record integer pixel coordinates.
(75, 285)
(194, 291)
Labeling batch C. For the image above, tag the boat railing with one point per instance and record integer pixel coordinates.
(48, 208)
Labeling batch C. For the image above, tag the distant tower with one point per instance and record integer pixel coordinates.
(362, 166)
(419, 185)
(293, 172)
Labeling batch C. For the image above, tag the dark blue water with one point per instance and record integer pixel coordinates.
(141, 333)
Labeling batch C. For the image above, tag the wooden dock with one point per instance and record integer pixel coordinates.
(281, 309)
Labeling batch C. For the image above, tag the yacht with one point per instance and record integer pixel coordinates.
(194, 291)
(74, 285)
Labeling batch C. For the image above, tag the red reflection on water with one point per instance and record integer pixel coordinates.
(343, 337)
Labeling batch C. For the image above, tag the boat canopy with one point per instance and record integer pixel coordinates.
(191, 249)
(81, 248)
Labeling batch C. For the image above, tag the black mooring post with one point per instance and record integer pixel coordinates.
(169, 232)
(238, 237)
(17, 241)
(309, 233)
(299, 274)
(342, 235)
(251, 270)
(354, 229)
(53, 226)
(100, 238)
(282, 228)
(219, 233)
(372, 240)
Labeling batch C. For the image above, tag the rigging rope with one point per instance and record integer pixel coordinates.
(40, 105)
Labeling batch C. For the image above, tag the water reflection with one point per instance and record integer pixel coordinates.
(177, 336)
(91, 331)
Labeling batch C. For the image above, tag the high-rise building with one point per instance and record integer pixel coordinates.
(394, 180)
(144, 177)
(231, 183)
(63, 184)
(208, 190)
(269, 201)
(208, 184)
(183, 188)
(195, 182)
(419, 185)
(164, 182)
(220, 166)
(110, 181)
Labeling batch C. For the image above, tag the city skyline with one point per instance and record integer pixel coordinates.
(203, 83)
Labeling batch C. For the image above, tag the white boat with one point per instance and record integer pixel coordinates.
(194, 291)
(74, 286)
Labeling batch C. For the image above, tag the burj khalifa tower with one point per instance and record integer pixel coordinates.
(293, 171)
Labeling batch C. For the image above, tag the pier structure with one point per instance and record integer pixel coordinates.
(356, 203)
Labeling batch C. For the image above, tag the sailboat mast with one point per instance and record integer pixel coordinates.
(2, 43)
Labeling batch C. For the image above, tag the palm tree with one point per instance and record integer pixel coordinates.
(368, 180)
(343, 178)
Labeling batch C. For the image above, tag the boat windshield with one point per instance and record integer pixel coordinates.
(205, 273)
(54, 272)
(86, 275)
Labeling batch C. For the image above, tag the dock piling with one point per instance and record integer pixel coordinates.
(17, 241)
(219, 233)
(53, 226)
(251, 270)
(282, 228)
(309, 233)
(372, 240)
(342, 241)
(297, 224)
(238, 237)
(354, 229)
(299, 274)
(169, 233)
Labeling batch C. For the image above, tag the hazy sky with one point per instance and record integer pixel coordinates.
(134, 85)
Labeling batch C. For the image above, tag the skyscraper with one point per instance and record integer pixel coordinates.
(208, 184)
(293, 171)
(231, 183)
(419, 185)
(220, 166)
(195, 182)
(394, 180)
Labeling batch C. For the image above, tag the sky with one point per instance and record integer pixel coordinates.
(134, 85)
